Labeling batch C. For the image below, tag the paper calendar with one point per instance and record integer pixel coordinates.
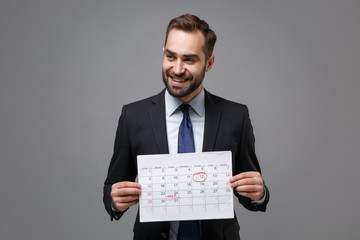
(185, 186)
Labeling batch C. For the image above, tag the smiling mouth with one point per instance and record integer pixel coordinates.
(180, 80)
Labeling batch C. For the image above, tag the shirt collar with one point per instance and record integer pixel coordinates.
(197, 104)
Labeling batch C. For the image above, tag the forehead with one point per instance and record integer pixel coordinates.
(183, 43)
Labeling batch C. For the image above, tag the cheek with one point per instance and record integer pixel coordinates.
(166, 66)
(194, 71)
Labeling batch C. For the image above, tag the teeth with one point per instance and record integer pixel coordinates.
(178, 80)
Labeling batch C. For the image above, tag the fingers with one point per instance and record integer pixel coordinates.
(255, 196)
(245, 175)
(126, 184)
(125, 195)
(249, 188)
(119, 192)
(248, 184)
(245, 179)
(120, 206)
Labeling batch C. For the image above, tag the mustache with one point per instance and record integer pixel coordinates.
(183, 75)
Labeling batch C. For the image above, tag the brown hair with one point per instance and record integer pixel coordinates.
(191, 23)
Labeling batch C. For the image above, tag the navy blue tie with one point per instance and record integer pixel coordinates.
(188, 230)
(186, 138)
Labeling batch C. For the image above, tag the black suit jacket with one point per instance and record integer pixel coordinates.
(142, 130)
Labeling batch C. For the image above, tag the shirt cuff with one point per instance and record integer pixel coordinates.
(261, 201)
(113, 209)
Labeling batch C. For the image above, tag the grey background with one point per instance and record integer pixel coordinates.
(67, 67)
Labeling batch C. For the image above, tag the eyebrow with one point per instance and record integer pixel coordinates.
(185, 55)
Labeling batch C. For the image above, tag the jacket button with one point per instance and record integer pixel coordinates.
(163, 235)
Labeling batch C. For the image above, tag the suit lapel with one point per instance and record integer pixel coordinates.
(212, 121)
(158, 122)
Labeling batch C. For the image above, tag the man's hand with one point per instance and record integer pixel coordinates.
(249, 184)
(125, 195)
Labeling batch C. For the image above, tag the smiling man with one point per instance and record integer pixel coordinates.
(156, 126)
(184, 64)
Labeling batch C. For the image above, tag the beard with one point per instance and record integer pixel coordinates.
(180, 92)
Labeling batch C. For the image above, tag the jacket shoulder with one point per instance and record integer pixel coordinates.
(141, 106)
(224, 103)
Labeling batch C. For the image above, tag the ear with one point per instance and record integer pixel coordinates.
(210, 63)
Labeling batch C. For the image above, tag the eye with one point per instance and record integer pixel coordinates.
(170, 57)
(189, 60)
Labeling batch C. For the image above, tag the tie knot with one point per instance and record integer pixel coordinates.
(184, 108)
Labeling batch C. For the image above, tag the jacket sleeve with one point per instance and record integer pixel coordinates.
(248, 162)
(122, 166)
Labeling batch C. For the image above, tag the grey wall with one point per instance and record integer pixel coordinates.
(67, 67)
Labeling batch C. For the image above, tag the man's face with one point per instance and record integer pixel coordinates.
(184, 64)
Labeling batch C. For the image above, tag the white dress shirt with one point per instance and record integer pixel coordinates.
(174, 117)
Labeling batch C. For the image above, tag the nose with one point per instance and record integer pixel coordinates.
(179, 67)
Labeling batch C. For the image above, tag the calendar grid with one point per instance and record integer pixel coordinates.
(177, 191)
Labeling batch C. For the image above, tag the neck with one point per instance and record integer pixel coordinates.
(191, 96)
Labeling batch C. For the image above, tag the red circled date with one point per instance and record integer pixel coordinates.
(200, 177)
